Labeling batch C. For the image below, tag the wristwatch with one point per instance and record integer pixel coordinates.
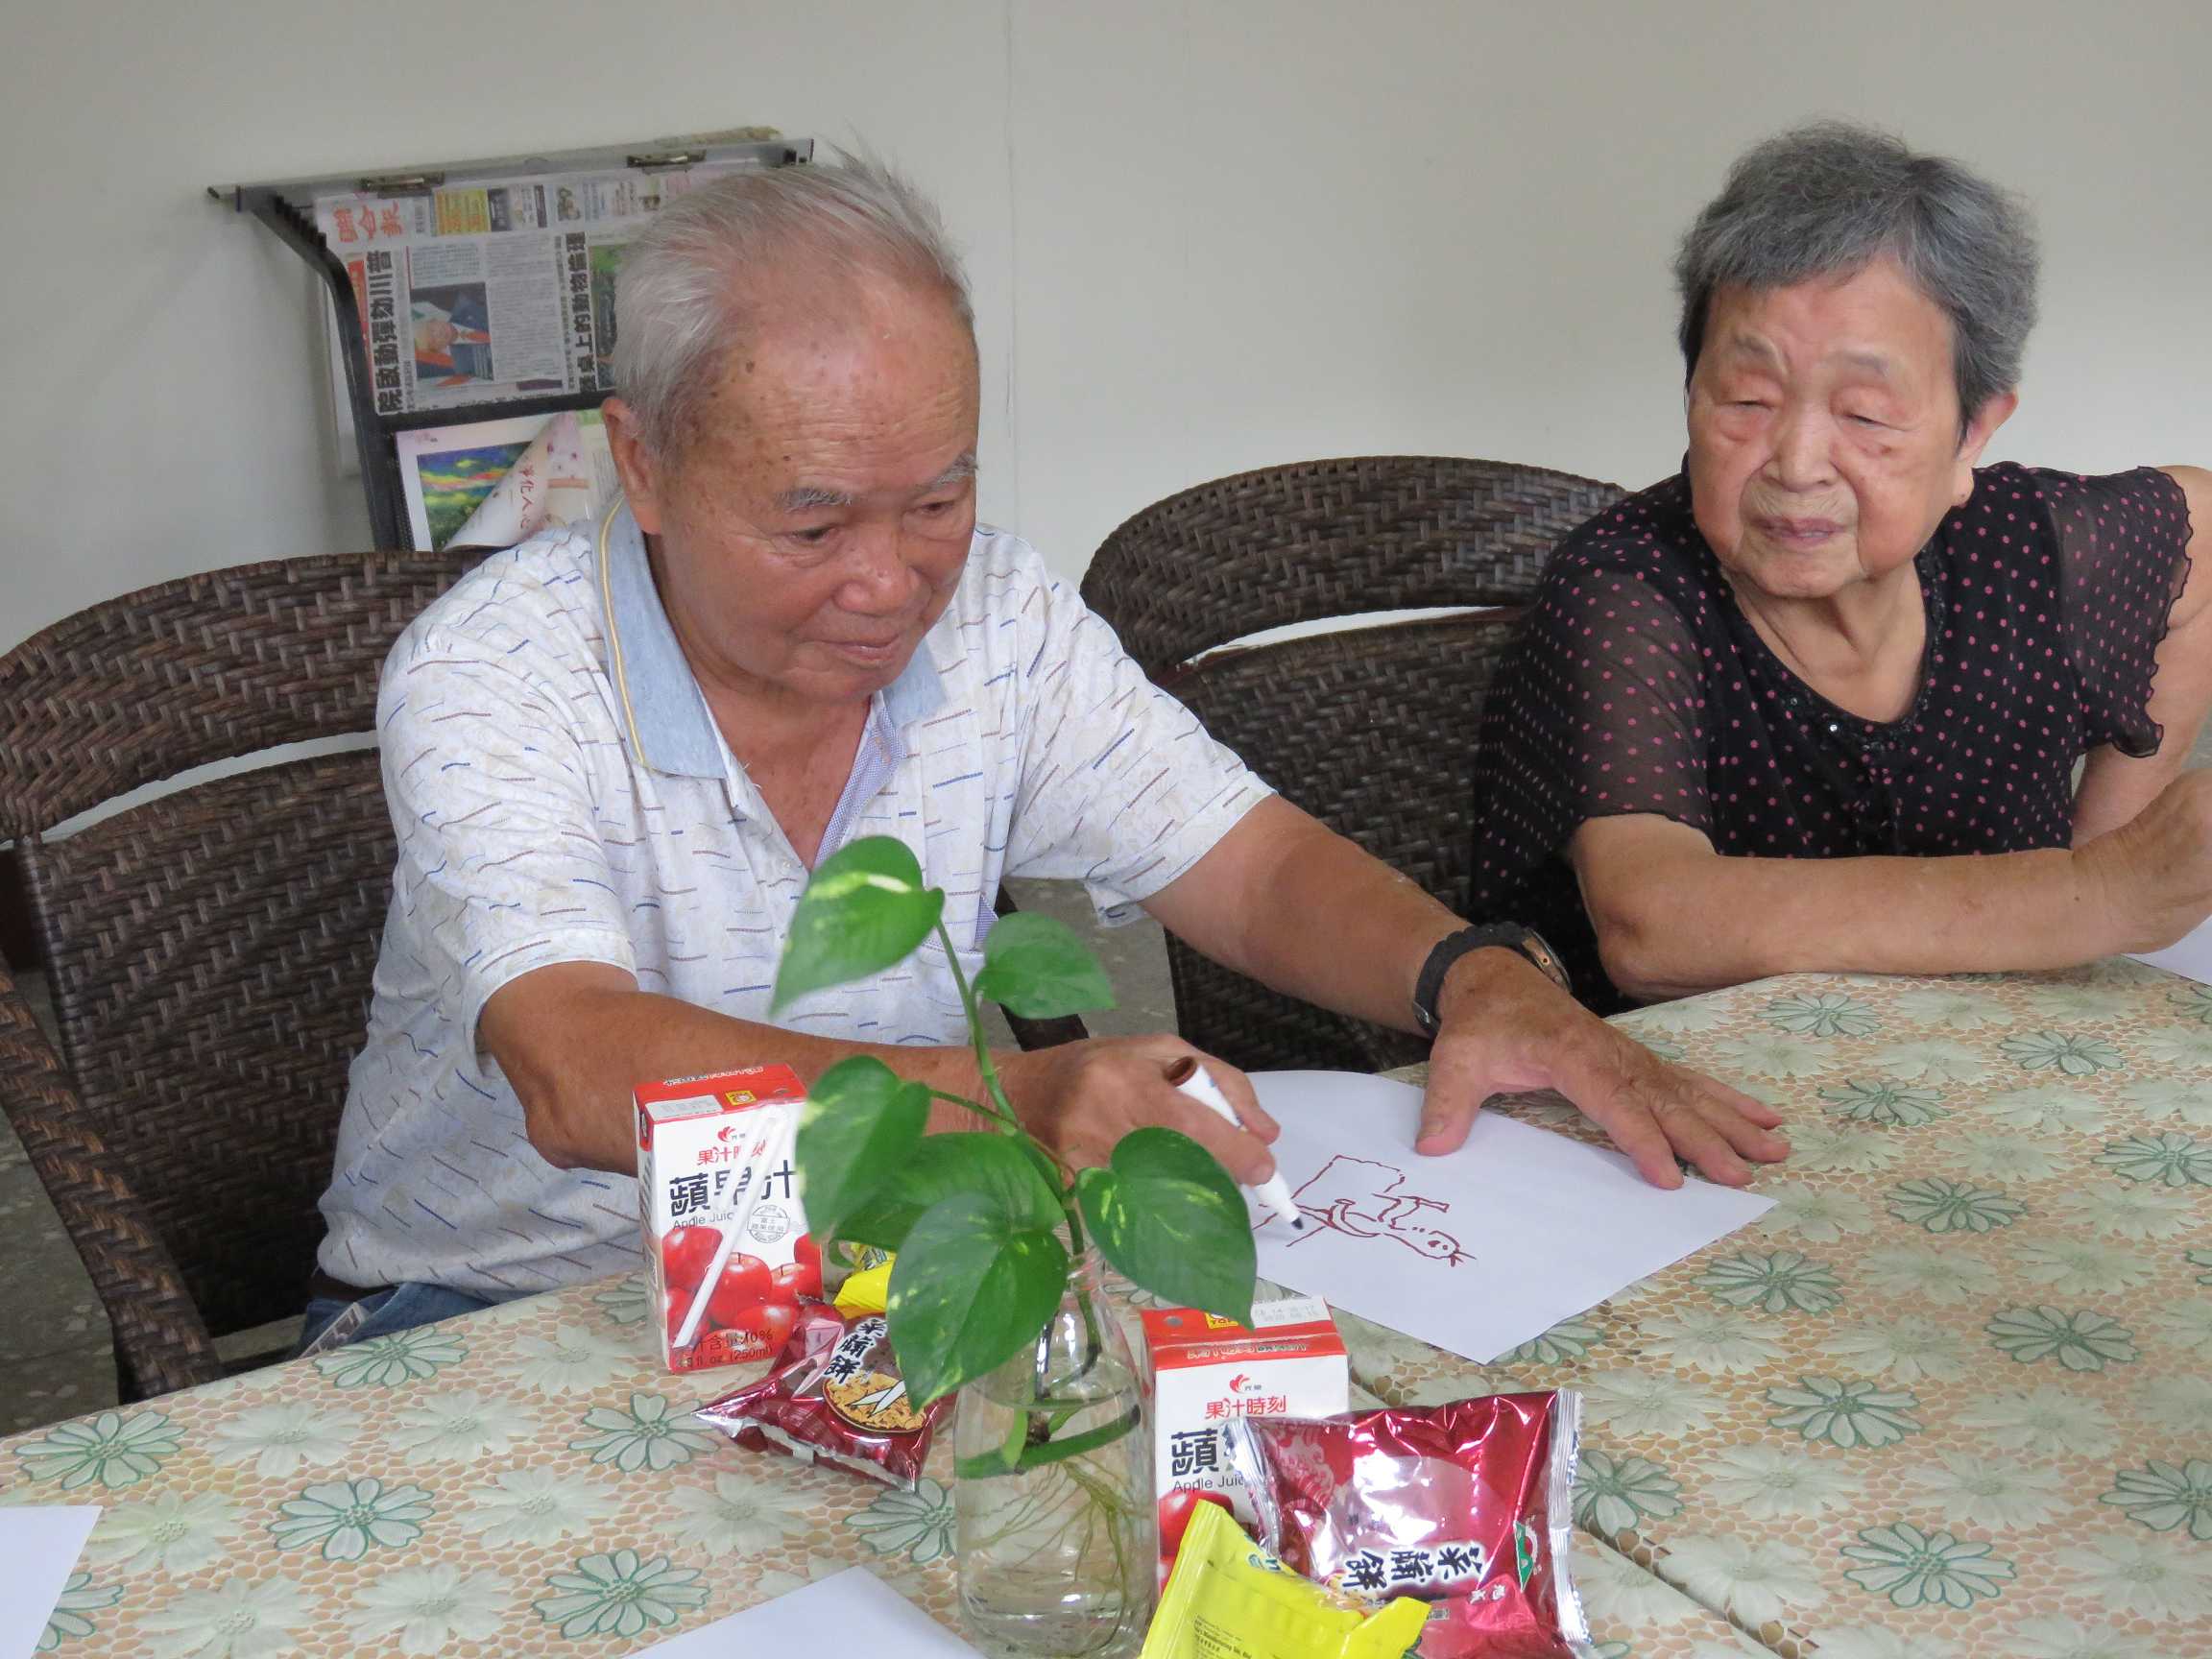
(1524, 942)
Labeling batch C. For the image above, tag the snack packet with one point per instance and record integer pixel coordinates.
(1466, 1506)
(1229, 1600)
(834, 1394)
(867, 1289)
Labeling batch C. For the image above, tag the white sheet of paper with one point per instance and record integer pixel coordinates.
(1476, 1251)
(38, 1551)
(2190, 956)
(851, 1612)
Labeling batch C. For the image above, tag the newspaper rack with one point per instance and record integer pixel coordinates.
(288, 208)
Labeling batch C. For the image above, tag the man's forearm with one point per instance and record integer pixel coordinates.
(1677, 925)
(1312, 915)
(594, 1044)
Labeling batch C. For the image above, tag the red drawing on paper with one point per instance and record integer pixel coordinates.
(1361, 1199)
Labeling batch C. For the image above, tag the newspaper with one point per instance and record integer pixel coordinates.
(495, 483)
(475, 293)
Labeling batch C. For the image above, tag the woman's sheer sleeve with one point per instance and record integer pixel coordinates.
(1601, 710)
(2123, 551)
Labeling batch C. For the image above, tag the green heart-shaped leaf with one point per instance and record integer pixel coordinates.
(865, 910)
(1168, 1217)
(973, 1287)
(1039, 969)
(863, 1126)
(941, 1166)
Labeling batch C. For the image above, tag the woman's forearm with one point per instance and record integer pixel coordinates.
(1674, 918)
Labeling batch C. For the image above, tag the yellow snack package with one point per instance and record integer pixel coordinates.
(865, 1291)
(1228, 1598)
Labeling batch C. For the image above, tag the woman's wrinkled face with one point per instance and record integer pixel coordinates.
(1824, 439)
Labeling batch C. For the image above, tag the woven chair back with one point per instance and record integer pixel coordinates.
(211, 950)
(1370, 729)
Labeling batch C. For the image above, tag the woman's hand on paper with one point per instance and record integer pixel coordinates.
(1506, 1029)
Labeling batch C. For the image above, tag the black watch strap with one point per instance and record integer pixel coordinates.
(1524, 942)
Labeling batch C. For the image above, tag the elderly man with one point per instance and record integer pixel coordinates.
(613, 757)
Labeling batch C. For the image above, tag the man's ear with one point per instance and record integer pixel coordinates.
(1993, 414)
(644, 474)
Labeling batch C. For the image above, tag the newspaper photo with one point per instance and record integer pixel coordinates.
(475, 293)
(495, 483)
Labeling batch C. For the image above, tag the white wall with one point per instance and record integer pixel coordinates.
(1446, 228)
(1203, 236)
(171, 411)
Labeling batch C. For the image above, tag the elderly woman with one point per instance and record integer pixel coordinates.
(1817, 702)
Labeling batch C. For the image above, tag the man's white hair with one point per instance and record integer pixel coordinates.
(681, 290)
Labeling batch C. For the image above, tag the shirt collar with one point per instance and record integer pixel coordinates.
(664, 711)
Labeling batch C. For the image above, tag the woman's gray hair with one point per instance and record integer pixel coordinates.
(1829, 198)
(679, 302)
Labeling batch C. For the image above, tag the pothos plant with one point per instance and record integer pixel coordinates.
(985, 1223)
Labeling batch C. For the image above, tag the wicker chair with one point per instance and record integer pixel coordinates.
(1372, 730)
(211, 950)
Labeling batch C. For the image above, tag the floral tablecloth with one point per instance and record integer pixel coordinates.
(521, 1481)
(1952, 1397)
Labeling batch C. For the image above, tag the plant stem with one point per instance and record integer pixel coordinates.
(982, 1108)
(974, 1012)
(1017, 1433)
(1096, 1341)
(1005, 1115)
(1000, 1107)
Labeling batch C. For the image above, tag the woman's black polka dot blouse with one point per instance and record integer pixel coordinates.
(1638, 685)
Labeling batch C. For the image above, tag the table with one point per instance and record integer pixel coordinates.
(525, 1480)
(1952, 1397)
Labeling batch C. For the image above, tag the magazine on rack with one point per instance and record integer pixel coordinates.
(495, 483)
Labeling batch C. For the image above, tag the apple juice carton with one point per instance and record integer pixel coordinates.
(1205, 1371)
(714, 1168)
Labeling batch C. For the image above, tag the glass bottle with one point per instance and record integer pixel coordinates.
(1053, 1491)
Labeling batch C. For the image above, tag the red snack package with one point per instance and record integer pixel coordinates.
(835, 1394)
(1467, 1506)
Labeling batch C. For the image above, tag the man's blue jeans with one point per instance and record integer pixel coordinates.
(402, 1307)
